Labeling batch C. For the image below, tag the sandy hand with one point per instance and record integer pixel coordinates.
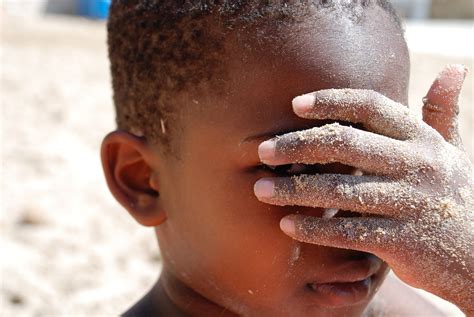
(416, 194)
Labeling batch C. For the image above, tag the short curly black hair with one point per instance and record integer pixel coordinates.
(158, 48)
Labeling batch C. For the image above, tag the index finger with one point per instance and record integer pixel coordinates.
(376, 112)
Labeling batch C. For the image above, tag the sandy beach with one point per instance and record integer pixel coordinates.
(67, 247)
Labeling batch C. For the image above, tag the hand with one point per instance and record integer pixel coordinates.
(416, 194)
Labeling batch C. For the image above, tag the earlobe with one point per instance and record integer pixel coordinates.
(127, 164)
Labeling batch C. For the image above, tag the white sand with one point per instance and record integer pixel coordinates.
(67, 248)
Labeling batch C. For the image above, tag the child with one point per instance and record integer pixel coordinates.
(199, 85)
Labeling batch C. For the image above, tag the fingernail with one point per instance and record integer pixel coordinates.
(459, 68)
(288, 226)
(264, 188)
(454, 74)
(266, 150)
(303, 104)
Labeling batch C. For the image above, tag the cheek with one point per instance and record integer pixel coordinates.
(227, 242)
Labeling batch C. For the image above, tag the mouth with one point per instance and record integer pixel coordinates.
(352, 283)
(342, 294)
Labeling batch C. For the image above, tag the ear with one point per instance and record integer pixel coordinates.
(127, 162)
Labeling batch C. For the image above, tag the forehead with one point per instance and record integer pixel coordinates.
(268, 68)
(329, 51)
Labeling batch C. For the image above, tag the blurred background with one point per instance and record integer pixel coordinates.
(66, 246)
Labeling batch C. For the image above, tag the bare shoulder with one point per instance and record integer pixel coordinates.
(155, 303)
(144, 307)
(395, 299)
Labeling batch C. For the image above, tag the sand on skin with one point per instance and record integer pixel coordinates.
(67, 247)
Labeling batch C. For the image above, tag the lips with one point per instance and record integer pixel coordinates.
(351, 271)
(343, 294)
(346, 284)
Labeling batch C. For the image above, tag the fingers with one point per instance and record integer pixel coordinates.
(367, 151)
(373, 235)
(441, 109)
(376, 112)
(365, 194)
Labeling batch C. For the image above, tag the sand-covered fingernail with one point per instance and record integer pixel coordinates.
(264, 188)
(454, 74)
(266, 150)
(444, 92)
(303, 103)
(288, 226)
(460, 68)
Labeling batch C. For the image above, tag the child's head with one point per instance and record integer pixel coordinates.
(197, 86)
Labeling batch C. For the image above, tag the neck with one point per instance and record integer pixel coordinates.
(180, 300)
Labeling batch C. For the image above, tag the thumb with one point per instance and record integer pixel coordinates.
(441, 107)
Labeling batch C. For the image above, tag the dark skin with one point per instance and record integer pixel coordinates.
(223, 251)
